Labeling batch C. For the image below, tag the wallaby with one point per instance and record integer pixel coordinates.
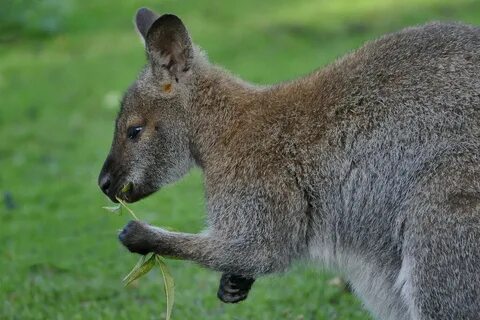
(369, 166)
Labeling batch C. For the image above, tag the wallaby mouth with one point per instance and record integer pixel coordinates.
(115, 191)
(115, 188)
(111, 182)
(130, 192)
(133, 193)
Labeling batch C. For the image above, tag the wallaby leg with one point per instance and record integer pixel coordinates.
(238, 256)
(252, 232)
(442, 262)
(232, 289)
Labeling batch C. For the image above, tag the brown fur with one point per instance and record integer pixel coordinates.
(370, 166)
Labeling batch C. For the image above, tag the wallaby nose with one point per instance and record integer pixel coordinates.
(105, 183)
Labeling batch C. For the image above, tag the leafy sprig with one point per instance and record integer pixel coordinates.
(147, 262)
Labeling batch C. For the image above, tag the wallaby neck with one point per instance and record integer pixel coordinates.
(219, 100)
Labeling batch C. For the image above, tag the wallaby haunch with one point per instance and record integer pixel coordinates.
(369, 166)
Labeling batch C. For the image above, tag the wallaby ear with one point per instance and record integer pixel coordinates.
(169, 46)
(144, 20)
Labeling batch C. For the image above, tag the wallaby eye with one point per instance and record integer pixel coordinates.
(133, 132)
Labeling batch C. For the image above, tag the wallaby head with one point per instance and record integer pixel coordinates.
(150, 147)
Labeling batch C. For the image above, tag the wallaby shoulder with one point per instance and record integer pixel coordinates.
(356, 94)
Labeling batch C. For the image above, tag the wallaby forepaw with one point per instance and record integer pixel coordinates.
(135, 236)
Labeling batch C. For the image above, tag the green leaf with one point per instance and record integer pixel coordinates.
(169, 285)
(115, 209)
(127, 187)
(142, 267)
(147, 262)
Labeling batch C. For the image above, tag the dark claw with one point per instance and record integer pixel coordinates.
(234, 288)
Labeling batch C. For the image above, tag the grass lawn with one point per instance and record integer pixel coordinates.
(63, 67)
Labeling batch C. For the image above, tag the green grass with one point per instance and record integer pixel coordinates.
(61, 75)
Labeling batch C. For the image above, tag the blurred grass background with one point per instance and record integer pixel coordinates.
(63, 67)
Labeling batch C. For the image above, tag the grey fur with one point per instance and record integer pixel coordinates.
(369, 166)
(144, 20)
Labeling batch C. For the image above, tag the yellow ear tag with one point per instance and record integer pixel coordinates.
(167, 87)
